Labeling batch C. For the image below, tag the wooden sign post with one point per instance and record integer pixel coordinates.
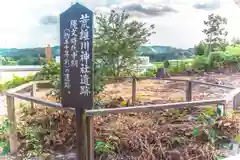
(76, 40)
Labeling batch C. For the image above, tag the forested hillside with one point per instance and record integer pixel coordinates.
(28, 56)
(160, 53)
(31, 56)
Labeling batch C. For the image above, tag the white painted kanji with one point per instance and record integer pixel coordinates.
(84, 56)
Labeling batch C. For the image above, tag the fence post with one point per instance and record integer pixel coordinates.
(33, 94)
(134, 89)
(188, 91)
(12, 125)
(81, 133)
(234, 103)
(90, 139)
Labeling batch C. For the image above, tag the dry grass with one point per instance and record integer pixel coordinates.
(147, 91)
(144, 136)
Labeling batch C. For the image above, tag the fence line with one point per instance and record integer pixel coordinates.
(152, 107)
(13, 93)
(214, 85)
(19, 68)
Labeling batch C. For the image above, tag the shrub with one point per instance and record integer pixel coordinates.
(158, 64)
(215, 60)
(16, 81)
(200, 63)
(231, 59)
(151, 72)
(48, 71)
(200, 49)
(180, 67)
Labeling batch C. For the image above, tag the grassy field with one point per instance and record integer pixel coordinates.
(233, 50)
(172, 62)
(7, 76)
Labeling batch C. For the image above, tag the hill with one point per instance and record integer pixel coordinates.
(160, 53)
(27, 51)
(155, 52)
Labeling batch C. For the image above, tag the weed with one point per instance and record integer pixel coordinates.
(33, 143)
(102, 147)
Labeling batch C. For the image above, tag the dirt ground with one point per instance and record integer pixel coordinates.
(147, 91)
(157, 125)
(160, 91)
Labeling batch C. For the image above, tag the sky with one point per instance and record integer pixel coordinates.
(178, 23)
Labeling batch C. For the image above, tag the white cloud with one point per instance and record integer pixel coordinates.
(20, 20)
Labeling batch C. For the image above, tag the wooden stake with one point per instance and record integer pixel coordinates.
(12, 125)
(33, 94)
(134, 90)
(90, 138)
(188, 91)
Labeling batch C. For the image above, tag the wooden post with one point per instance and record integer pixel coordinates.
(188, 91)
(48, 53)
(134, 90)
(12, 125)
(90, 139)
(75, 94)
(234, 103)
(81, 133)
(33, 94)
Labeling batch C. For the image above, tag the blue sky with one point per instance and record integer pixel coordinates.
(179, 23)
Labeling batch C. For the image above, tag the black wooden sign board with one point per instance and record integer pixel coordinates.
(76, 41)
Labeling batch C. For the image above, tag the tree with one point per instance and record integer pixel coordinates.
(215, 31)
(28, 60)
(117, 39)
(235, 41)
(8, 61)
(223, 45)
(200, 48)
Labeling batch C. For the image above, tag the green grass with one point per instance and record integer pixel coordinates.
(229, 49)
(15, 81)
(233, 50)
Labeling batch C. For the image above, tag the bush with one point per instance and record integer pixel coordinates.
(200, 63)
(151, 72)
(180, 67)
(216, 60)
(48, 71)
(201, 48)
(16, 81)
(158, 64)
(231, 59)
